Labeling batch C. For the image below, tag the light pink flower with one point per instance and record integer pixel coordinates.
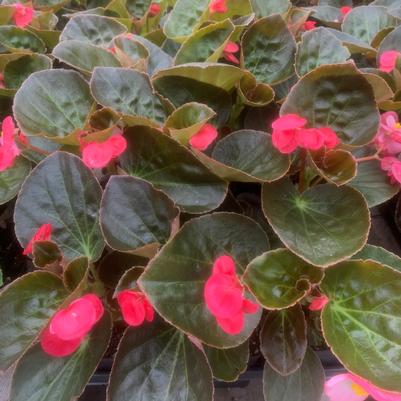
(218, 6)
(229, 52)
(388, 138)
(23, 15)
(392, 166)
(318, 303)
(388, 60)
(8, 148)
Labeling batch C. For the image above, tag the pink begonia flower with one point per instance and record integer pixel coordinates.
(100, 154)
(318, 303)
(345, 10)
(393, 168)
(229, 51)
(8, 148)
(309, 138)
(69, 326)
(388, 138)
(388, 60)
(135, 307)
(204, 137)
(23, 15)
(2, 84)
(43, 233)
(154, 9)
(348, 387)
(224, 296)
(309, 25)
(218, 6)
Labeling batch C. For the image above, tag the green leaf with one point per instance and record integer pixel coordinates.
(60, 379)
(353, 44)
(128, 92)
(328, 15)
(62, 192)
(373, 183)
(25, 307)
(365, 22)
(268, 50)
(175, 170)
(94, 29)
(255, 94)
(335, 3)
(228, 364)
(74, 272)
(157, 361)
(206, 44)
(128, 279)
(381, 88)
(362, 321)
(253, 153)
(174, 280)
(283, 339)
(16, 71)
(134, 214)
(12, 178)
(187, 120)
(390, 42)
(138, 8)
(131, 52)
(323, 225)
(380, 255)
(306, 384)
(319, 47)
(342, 99)
(62, 102)
(265, 8)
(279, 279)
(84, 56)
(46, 254)
(184, 18)
(20, 40)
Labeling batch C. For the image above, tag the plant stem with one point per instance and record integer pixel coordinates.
(367, 158)
(302, 177)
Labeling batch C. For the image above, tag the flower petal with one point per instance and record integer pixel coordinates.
(204, 137)
(232, 325)
(54, 346)
(342, 388)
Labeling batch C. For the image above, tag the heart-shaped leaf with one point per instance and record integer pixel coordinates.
(128, 92)
(305, 384)
(342, 99)
(362, 321)
(174, 280)
(26, 305)
(134, 214)
(373, 183)
(283, 339)
(380, 255)
(255, 94)
(62, 192)
(175, 170)
(279, 279)
(62, 102)
(319, 47)
(84, 56)
(157, 361)
(12, 178)
(331, 223)
(20, 40)
(265, 8)
(268, 50)
(60, 379)
(94, 29)
(228, 364)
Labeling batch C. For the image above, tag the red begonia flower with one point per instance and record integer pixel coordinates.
(69, 326)
(233, 325)
(285, 129)
(388, 60)
(218, 6)
(309, 25)
(289, 122)
(2, 84)
(318, 303)
(135, 307)
(309, 138)
(330, 137)
(229, 51)
(154, 9)
(345, 10)
(23, 15)
(224, 265)
(43, 233)
(8, 148)
(204, 137)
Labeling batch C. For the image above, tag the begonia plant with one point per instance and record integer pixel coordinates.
(189, 177)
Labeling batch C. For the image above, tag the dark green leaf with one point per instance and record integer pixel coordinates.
(45, 254)
(380, 255)
(265, 8)
(12, 178)
(74, 272)
(20, 40)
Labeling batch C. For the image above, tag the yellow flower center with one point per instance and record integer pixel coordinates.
(397, 126)
(358, 390)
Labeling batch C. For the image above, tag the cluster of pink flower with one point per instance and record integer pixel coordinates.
(224, 296)
(22, 15)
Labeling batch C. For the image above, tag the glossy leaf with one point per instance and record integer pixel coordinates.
(62, 103)
(157, 361)
(84, 56)
(60, 379)
(62, 192)
(329, 15)
(74, 272)
(306, 384)
(353, 44)
(175, 171)
(323, 225)
(26, 305)
(20, 40)
(46, 255)
(128, 92)
(372, 182)
(381, 88)
(342, 99)
(362, 321)
(265, 8)
(283, 339)
(391, 41)
(268, 50)
(128, 280)
(380, 255)
(319, 47)
(279, 279)
(12, 178)
(255, 94)
(174, 280)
